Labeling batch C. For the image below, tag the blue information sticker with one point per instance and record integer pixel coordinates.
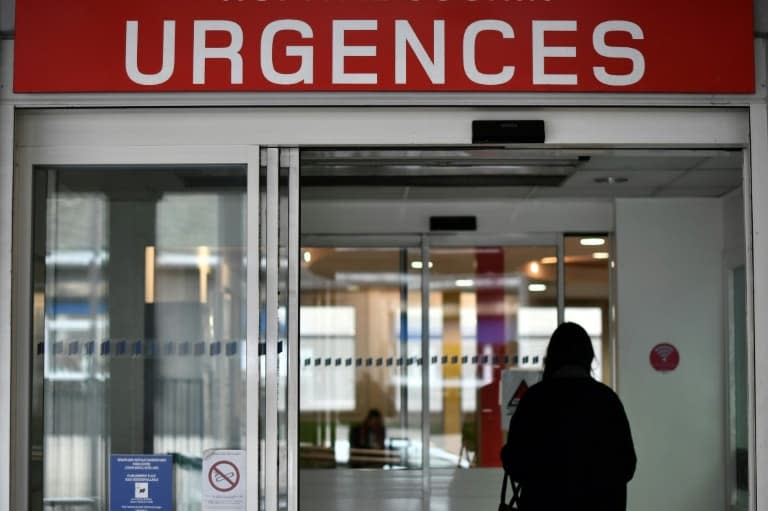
(140, 482)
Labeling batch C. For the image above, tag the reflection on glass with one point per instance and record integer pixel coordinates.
(139, 324)
(492, 309)
(588, 262)
(360, 382)
(739, 388)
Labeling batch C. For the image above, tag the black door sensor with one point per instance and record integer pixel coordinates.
(452, 223)
(508, 132)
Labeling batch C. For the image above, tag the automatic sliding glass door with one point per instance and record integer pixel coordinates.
(360, 416)
(382, 374)
(492, 312)
(153, 341)
(364, 352)
(493, 309)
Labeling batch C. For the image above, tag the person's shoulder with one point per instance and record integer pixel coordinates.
(604, 391)
(586, 384)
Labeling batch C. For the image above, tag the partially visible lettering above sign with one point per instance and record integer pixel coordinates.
(673, 46)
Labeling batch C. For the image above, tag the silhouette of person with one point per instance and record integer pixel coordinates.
(569, 444)
(370, 434)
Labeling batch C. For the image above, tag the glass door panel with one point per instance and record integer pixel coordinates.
(139, 327)
(493, 309)
(589, 268)
(361, 366)
(739, 415)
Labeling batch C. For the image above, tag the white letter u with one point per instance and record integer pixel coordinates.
(132, 54)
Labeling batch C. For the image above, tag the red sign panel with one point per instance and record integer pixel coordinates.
(677, 46)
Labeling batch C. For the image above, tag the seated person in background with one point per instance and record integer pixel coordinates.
(370, 434)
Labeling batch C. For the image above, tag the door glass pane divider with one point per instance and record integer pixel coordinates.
(403, 340)
(22, 416)
(252, 328)
(751, 350)
(560, 279)
(425, 383)
(293, 328)
(613, 293)
(271, 381)
(730, 387)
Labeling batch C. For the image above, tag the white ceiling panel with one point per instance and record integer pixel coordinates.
(597, 192)
(501, 192)
(413, 193)
(694, 192)
(635, 178)
(708, 178)
(620, 162)
(731, 160)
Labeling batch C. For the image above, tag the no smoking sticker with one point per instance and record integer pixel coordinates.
(224, 480)
(224, 476)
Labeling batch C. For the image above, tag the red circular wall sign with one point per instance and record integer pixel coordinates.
(665, 357)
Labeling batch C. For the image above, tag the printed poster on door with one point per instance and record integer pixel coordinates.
(140, 482)
(224, 480)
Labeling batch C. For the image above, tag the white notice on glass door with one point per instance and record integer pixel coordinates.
(223, 480)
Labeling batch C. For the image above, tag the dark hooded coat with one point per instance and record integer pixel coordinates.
(569, 445)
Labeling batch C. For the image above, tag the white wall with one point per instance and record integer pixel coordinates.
(670, 288)
(500, 218)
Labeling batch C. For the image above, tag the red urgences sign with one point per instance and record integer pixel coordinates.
(696, 46)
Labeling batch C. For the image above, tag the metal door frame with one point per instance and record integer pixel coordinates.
(274, 161)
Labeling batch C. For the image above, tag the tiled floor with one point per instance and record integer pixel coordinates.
(399, 490)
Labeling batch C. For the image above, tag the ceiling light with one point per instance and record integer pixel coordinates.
(537, 288)
(534, 267)
(307, 256)
(549, 260)
(601, 255)
(591, 242)
(611, 180)
(465, 283)
(417, 265)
